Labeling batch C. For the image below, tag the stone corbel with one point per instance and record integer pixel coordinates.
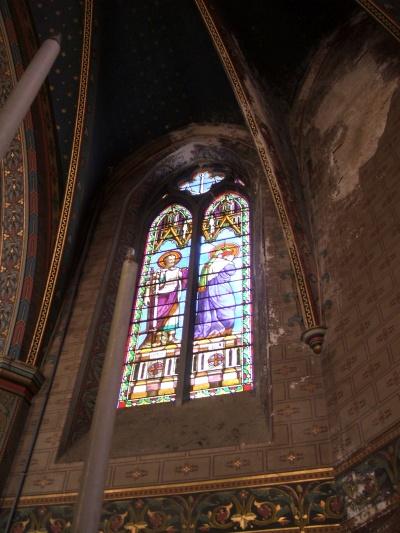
(19, 382)
(19, 378)
(314, 338)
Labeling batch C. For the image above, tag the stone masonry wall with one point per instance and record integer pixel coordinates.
(347, 129)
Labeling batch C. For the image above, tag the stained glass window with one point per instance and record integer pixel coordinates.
(216, 348)
(201, 182)
(222, 360)
(154, 343)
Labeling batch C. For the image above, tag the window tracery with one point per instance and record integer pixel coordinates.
(192, 312)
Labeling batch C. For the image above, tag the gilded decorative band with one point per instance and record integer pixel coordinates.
(70, 187)
(271, 480)
(309, 316)
(379, 14)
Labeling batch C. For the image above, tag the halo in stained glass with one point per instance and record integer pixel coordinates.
(222, 345)
(154, 342)
(201, 182)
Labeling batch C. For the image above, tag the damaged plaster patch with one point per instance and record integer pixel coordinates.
(356, 107)
(274, 336)
(274, 331)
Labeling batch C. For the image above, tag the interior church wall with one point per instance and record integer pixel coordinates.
(346, 129)
(295, 415)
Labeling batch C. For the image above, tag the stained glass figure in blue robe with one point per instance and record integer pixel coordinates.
(216, 302)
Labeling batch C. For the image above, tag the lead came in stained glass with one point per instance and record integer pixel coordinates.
(154, 342)
(222, 338)
(222, 347)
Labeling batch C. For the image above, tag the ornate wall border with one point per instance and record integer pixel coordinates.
(297, 505)
(310, 316)
(18, 245)
(270, 480)
(358, 472)
(70, 186)
(43, 184)
(379, 14)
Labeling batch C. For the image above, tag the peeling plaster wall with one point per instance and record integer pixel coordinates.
(354, 124)
(346, 126)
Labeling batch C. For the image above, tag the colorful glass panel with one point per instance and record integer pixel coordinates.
(222, 345)
(200, 183)
(154, 342)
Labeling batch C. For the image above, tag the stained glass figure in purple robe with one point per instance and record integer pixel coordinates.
(162, 299)
(154, 342)
(216, 301)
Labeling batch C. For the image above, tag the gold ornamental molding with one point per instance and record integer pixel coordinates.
(382, 16)
(311, 321)
(70, 186)
(369, 449)
(13, 175)
(171, 489)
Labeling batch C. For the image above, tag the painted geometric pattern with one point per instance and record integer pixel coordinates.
(222, 358)
(154, 344)
(366, 491)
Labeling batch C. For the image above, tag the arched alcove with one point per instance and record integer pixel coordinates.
(224, 148)
(210, 425)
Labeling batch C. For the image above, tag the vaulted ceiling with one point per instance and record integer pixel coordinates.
(65, 17)
(278, 38)
(156, 70)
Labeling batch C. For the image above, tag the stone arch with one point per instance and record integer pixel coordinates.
(131, 184)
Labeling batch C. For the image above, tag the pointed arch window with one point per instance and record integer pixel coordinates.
(191, 328)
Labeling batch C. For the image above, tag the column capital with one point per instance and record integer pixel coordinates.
(20, 378)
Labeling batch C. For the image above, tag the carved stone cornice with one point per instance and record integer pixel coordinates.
(174, 489)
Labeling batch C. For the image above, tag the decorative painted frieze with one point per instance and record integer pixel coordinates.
(296, 506)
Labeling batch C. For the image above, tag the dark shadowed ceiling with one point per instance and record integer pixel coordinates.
(51, 17)
(158, 72)
(156, 69)
(278, 37)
